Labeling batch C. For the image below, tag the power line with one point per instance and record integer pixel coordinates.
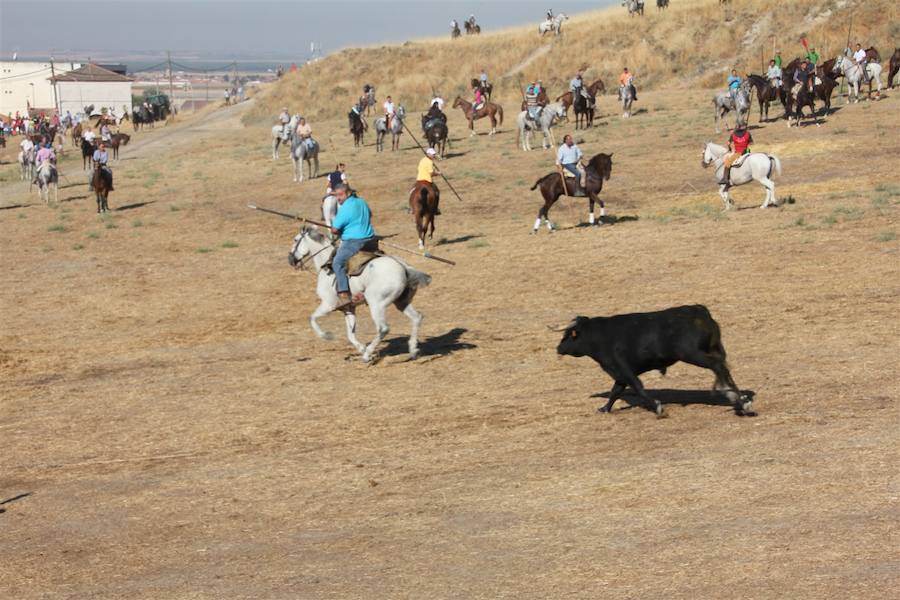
(8, 77)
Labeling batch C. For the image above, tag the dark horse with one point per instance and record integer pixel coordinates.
(766, 93)
(894, 67)
(584, 111)
(598, 170)
(434, 126)
(87, 153)
(101, 183)
(423, 203)
(357, 128)
(116, 140)
(805, 97)
(486, 88)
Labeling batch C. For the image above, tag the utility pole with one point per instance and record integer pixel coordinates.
(207, 86)
(169, 63)
(53, 79)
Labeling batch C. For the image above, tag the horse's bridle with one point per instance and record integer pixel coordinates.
(303, 262)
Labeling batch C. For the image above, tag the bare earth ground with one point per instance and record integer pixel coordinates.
(172, 428)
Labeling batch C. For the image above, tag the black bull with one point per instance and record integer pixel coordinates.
(626, 346)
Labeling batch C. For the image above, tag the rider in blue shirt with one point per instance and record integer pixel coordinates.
(734, 83)
(353, 224)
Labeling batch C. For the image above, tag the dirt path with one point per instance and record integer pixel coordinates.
(536, 54)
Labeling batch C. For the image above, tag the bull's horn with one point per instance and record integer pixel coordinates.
(561, 327)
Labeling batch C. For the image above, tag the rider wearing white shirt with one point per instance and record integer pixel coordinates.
(89, 136)
(439, 101)
(388, 111)
(859, 57)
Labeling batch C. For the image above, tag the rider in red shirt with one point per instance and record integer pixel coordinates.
(738, 144)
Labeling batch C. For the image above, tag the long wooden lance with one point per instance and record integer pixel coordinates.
(424, 254)
(444, 177)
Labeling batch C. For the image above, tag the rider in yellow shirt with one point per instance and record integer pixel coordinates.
(426, 171)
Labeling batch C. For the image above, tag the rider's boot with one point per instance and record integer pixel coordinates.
(344, 301)
(726, 178)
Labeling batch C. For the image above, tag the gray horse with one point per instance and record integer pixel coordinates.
(281, 134)
(740, 104)
(626, 95)
(305, 150)
(396, 129)
(635, 7)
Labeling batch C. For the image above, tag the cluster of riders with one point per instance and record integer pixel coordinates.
(471, 27)
(801, 83)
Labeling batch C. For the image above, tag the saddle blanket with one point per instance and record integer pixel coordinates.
(358, 261)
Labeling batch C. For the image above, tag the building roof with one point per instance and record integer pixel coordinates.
(90, 72)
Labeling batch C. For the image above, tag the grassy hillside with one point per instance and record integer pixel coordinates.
(695, 42)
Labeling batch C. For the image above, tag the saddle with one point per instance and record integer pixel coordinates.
(358, 261)
(740, 160)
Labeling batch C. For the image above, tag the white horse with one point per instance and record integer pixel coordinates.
(740, 104)
(26, 163)
(553, 25)
(626, 95)
(303, 150)
(635, 7)
(853, 73)
(386, 280)
(47, 177)
(283, 134)
(396, 129)
(755, 166)
(550, 116)
(329, 209)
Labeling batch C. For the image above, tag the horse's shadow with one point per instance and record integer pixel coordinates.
(454, 154)
(458, 240)
(12, 206)
(135, 205)
(679, 397)
(440, 345)
(607, 220)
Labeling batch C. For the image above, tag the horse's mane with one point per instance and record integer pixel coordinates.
(601, 164)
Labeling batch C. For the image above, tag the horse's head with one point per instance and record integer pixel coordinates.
(308, 244)
(458, 102)
(838, 63)
(709, 154)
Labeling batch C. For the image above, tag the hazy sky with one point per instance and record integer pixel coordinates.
(248, 29)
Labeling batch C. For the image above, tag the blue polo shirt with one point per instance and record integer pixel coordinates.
(354, 220)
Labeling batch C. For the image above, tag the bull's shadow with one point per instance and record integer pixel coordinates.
(678, 397)
(439, 345)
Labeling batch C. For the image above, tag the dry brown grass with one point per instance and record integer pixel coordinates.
(184, 435)
(696, 42)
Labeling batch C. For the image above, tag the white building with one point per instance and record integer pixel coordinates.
(26, 84)
(93, 85)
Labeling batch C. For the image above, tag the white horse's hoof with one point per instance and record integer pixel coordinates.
(327, 336)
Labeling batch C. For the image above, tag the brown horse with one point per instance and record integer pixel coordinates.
(766, 93)
(490, 110)
(598, 170)
(894, 67)
(101, 183)
(116, 140)
(423, 203)
(76, 135)
(595, 89)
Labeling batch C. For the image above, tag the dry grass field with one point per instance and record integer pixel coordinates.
(695, 43)
(172, 429)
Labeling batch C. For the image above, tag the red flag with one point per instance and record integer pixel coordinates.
(805, 44)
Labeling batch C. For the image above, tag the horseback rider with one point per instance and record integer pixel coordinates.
(774, 74)
(304, 131)
(88, 135)
(284, 117)
(803, 77)
(478, 97)
(471, 21)
(568, 157)
(101, 161)
(813, 56)
(437, 102)
(576, 86)
(626, 79)
(734, 84)
(359, 109)
(105, 135)
(550, 14)
(738, 145)
(483, 79)
(353, 224)
(336, 177)
(426, 170)
(860, 58)
(45, 153)
(533, 110)
(389, 112)
(434, 115)
(777, 60)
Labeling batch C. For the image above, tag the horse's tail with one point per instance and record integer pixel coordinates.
(538, 182)
(415, 279)
(774, 164)
(500, 112)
